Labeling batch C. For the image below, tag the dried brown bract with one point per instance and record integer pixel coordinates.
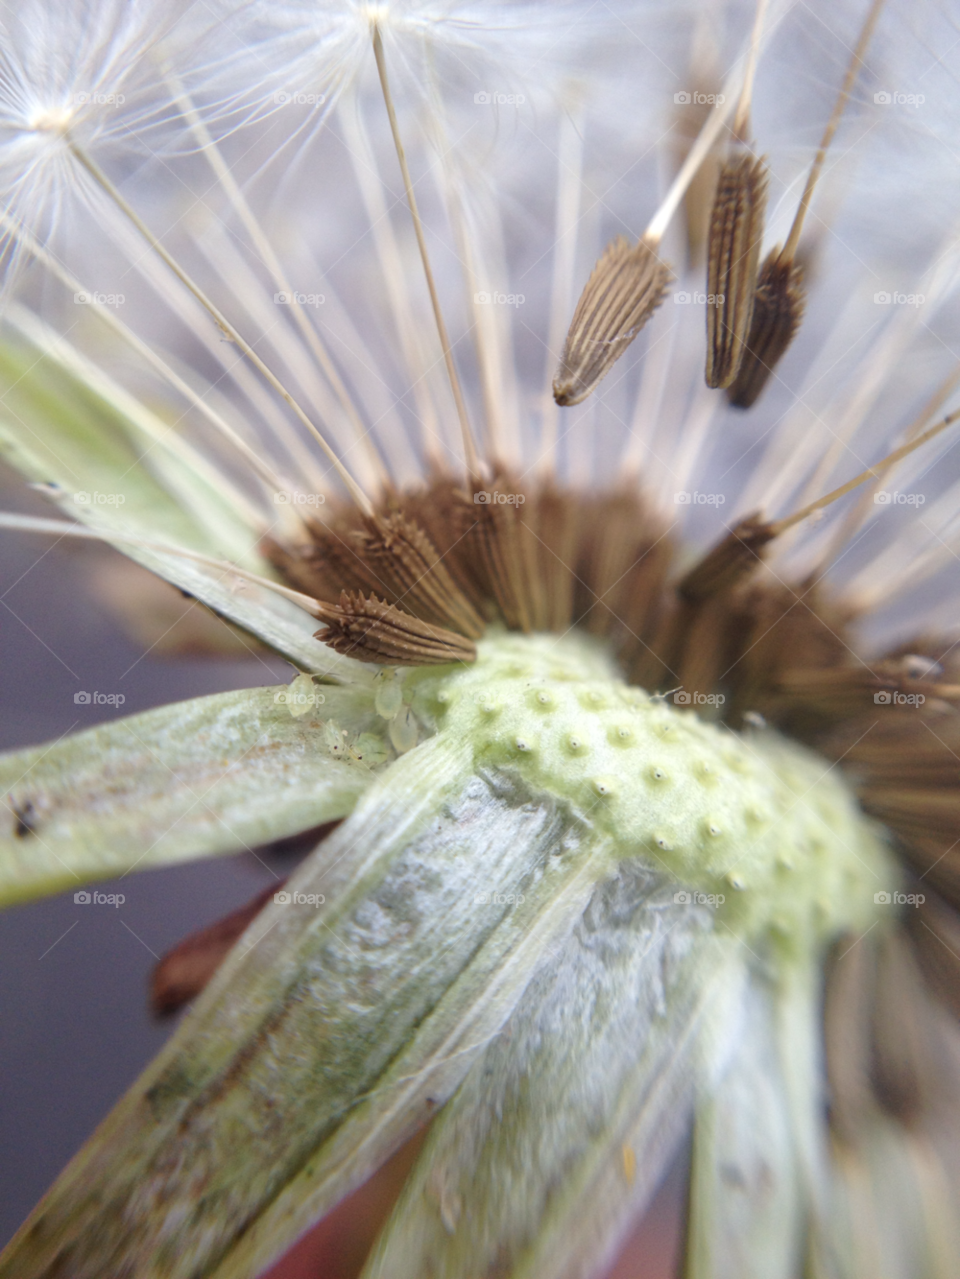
(626, 287)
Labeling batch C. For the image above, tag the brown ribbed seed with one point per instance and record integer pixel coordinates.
(736, 232)
(503, 550)
(777, 311)
(626, 287)
(373, 631)
(728, 562)
(409, 566)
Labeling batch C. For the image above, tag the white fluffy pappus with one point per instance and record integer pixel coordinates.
(528, 154)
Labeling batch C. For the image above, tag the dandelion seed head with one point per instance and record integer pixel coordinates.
(350, 275)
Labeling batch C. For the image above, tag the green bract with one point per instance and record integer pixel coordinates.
(764, 829)
(213, 775)
(524, 910)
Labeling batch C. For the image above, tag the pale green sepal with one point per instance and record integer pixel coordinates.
(213, 775)
(58, 431)
(470, 1014)
(746, 1211)
(332, 1026)
(278, 622)
(561, 1131)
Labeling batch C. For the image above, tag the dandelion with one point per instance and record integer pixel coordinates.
(635, 723)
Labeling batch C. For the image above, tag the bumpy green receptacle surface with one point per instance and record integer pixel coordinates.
(752, 819)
